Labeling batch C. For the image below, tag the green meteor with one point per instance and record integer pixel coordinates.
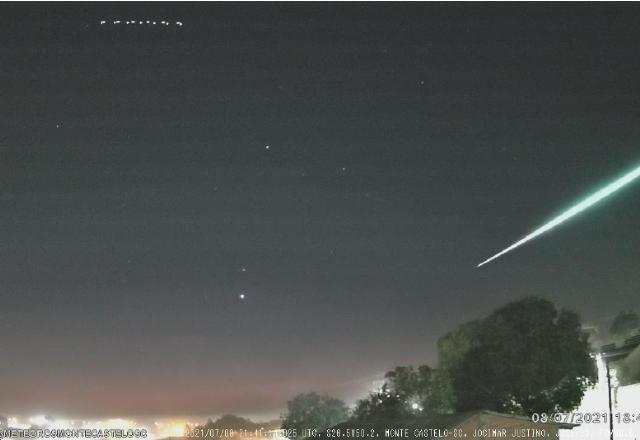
(574, 210)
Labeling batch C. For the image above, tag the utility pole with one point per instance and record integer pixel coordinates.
(606, 362)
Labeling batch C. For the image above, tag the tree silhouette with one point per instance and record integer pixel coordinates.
(312, 411)
(624, 324)
(525, 357)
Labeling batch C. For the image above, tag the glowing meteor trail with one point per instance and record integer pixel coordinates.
(574, 210)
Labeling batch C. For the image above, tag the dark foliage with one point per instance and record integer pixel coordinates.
(525, 357)
(314, 411)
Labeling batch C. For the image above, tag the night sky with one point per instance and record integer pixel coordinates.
(343, 166)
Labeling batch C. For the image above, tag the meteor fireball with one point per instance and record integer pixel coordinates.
(571, 212)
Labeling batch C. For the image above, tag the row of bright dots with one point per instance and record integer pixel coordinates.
(163, 22)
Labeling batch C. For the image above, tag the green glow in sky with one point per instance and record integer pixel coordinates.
(574, 210)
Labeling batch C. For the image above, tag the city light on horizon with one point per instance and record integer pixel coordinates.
(159, 428)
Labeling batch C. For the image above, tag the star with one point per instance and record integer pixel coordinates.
(58, 125)
(241, 296)
(266, 147)
(244, 269)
